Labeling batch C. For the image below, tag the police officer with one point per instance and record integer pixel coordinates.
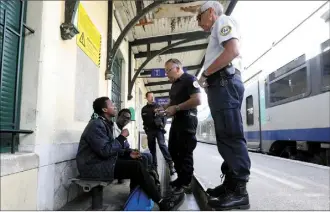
(223, 85)
(154, 127)
(184, 99)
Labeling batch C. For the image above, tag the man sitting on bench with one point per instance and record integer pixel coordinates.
(124, 118)
(97, 157)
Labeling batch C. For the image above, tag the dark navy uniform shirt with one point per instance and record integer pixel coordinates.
(182, 89)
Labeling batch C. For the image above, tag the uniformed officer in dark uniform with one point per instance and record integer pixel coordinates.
(225, 90)
(153, 126)
(184, 99)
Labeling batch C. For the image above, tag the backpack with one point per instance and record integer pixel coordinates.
(138, 201)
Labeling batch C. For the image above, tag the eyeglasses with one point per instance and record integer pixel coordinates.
(199, 16)
(168, 70)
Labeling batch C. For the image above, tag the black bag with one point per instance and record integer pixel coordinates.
(154, 175)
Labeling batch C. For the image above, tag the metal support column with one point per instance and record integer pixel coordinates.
(109, 35)
(68, 29)
(124, 33)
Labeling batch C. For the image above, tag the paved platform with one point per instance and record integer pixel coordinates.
(275, 183)
(115, 195)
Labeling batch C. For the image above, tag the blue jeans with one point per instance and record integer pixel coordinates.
(225, 105)
(147, 160)
(159, 135)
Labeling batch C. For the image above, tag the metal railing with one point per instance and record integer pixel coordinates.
(14, 136)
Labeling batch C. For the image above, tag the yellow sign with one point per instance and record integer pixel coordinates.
(89, 38)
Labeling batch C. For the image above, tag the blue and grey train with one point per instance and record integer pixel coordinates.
(286, 106)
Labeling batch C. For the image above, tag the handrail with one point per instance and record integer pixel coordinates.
(15, 132)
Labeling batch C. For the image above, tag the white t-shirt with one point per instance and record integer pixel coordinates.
(224, 28)
(116, 130)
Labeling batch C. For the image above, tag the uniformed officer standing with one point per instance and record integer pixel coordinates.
(184, 99)
(225, 90)
(154, 125)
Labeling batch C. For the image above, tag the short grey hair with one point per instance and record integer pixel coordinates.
(175, 61)
(217, 7)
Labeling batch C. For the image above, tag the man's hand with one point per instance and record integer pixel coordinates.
(157, 110)
(202, 82)
(171, 110)
(125, 133)
(135, 154)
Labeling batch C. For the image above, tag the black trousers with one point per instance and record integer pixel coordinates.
(181, 145)
(137, 173)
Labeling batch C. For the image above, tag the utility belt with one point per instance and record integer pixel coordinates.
(185, 113)
(223, 75)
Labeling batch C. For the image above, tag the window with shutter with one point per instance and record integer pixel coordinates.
(116, 83)
(12, 14)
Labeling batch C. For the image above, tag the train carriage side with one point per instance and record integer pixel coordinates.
(250, 111)
(298, 110)
(294, 99)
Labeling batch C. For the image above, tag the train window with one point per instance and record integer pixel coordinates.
(326, 64)
(292, 85)
(249, 110)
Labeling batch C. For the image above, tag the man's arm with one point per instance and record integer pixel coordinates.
(230, 52)
(142, 116)
(193, 102)
(101, 143)
(167, 105)
(228, 37)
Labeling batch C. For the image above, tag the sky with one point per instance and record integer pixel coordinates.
(264, 22)
(261, 24)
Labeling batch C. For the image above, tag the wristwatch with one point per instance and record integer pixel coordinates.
(177, 108)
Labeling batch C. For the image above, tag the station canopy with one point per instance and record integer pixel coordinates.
(169, 23)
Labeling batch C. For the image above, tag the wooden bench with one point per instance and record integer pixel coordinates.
(95, 187)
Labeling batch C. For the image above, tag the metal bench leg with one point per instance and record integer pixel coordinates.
(97, 197)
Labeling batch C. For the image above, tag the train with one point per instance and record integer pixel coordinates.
(286, 105)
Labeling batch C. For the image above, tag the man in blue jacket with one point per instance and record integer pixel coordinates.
(98, 152)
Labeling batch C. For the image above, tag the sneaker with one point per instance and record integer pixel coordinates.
(172, 203)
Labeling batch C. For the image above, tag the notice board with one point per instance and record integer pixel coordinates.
(89, 38)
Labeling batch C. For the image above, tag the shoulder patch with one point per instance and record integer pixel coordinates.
(195, 84)
(225, 30)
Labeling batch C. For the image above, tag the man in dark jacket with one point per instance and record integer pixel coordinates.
(154, 125)
(124, 118)
(98, 151)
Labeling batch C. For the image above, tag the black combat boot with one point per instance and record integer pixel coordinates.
(171, 167)
(235, 197)
(220, 189)
(172, 203)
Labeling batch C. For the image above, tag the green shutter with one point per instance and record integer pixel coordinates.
(116, 83)
(10, 58)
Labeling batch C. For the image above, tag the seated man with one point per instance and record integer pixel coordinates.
(97, 156)
(123, 118)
